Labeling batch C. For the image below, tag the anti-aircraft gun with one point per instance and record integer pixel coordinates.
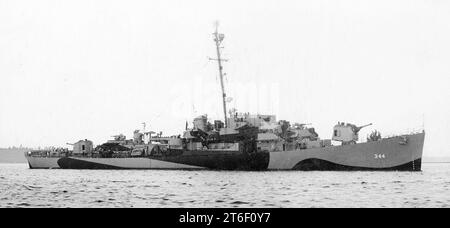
(301, 131)
(347, 133)
(374, 136)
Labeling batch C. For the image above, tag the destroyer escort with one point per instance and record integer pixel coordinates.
(241, 141)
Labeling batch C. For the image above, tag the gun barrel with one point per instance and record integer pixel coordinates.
(360, 127)
(364, 126)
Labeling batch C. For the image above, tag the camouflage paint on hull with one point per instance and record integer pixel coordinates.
(188, 160)
(314, 164)
(42, 162)
(119, 163)
(387, 154)
(402, 153)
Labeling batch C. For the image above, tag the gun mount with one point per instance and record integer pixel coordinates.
(374, 136)
(347, 133)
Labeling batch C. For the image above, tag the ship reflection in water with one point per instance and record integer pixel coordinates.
(23, 187)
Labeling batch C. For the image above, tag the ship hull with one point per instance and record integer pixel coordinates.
(188, 160)
(120, 163)
(402, 153)
(43, 162)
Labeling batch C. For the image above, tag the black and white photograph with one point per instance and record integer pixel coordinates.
(224, 105)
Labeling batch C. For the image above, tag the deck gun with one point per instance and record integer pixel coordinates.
(347, 133)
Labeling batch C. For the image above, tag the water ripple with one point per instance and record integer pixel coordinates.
(22, 187)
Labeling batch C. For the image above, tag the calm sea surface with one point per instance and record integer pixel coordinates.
(23, 187)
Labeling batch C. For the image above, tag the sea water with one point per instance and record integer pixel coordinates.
(24, 187)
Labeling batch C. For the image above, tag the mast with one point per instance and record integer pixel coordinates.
(218, 38)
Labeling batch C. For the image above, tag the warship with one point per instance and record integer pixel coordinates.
(241, 141)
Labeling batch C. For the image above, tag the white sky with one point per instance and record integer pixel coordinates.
(81, 69)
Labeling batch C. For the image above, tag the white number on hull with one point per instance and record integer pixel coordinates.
(379, 156)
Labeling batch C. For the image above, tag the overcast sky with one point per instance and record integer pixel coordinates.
(81, 69)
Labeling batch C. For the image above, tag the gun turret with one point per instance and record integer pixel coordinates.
(347, 134)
